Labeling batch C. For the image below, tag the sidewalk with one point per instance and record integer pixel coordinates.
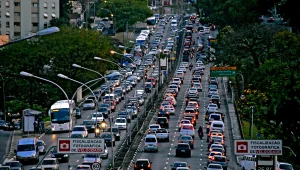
(233, 117)
(16, 136)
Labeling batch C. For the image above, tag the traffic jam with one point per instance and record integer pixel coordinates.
(188, 131)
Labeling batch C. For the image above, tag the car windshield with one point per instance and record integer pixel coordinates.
(218, 125)
(154, 127)
(212, 105)
(12, 164)
(88, 122)
(102, 109)
(215, 117)
(88, 101)
(182, 146)
(190, 111)
(115, 130)
(25, 148)
(76, 136)
(91, 156)
(48, 162)
(39, 143)
(106, 135)
(215, 166)
(78, 129)
(180, 164)
(150, 140)
(97, 115)
(161, 131)
(142, 163)
(285, 166)
(186, 138)
(120, 121)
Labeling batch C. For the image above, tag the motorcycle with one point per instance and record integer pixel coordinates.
(200, 135)
(191, 67)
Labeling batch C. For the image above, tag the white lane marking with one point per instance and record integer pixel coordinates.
(77, 161)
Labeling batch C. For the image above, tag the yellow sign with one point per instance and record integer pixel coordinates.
(223, 68)
(173, 58)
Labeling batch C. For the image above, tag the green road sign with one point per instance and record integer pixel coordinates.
(222, 73)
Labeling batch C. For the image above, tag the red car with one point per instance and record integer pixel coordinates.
(152, 80)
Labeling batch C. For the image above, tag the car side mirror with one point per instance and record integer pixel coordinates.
(15, 151)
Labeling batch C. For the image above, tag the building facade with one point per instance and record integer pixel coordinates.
(19, 18)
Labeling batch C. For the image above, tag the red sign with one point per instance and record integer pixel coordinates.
(64, 145)
(242, 147)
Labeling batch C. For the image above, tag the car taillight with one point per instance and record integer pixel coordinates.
(135, 166)
(149, 166)
(157, 144)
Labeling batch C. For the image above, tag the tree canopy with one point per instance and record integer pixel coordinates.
(50, 55)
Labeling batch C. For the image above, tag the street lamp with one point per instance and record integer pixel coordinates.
(115, 21)
(114, 52)
(47, 31)
(78, 66)
(290, 150)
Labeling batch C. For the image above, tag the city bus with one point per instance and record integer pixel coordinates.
(61, 115)
(151, 21)
(141, 40)
(115, 77)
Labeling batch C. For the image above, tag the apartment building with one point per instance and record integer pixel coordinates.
(19, 18)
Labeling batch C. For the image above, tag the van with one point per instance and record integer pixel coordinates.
(217, 125)
(27, 150)
(248, 162)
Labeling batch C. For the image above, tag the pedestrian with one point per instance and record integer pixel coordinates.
(35, 126)
(43, 126)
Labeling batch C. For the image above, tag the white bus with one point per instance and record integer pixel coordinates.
(61, 113)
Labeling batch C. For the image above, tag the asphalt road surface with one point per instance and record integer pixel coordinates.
(166, 150)
(76, 159)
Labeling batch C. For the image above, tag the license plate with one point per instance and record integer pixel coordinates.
(61, 128)
(182, 150)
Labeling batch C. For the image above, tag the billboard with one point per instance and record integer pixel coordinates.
(258, 147)
(80, 145)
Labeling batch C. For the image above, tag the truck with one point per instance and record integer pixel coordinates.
(162, 134)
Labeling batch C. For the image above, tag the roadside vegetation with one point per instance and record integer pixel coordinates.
(267, 55)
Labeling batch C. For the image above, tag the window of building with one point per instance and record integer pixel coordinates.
(45, 5)
(0, 11)
(7, 14)
(17, 14)
(35, 24)
(17, 4)
(7, 4)
(7, 33)
(0, 25)
(7, 24)
(34, 15)
(45, 15)
(53, 5)
(35, 5)
(17, 34)
(17, 24)
(53, 15)
(45, 25)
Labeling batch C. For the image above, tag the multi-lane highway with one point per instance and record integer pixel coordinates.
(166, 150)
(50, 139)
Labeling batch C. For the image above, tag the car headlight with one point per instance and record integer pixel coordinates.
(66, 155)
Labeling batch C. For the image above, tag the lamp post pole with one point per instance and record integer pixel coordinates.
(252, 112)
(115, 21)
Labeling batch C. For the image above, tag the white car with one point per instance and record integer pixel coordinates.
(155, 73)
(92, 157)
(153, 51)
(284, 166)
(89, 104)
(214, 167)
(98, 116)
(180, 72)
(185, 64)
(82, 130)
(182, 68)
(121, 123)
(212, 108)
(187, 129)
(41, 146)
(153, 127)
(50, 163)
(193, 91)
(177, 80)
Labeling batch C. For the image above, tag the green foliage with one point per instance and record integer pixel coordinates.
(59, 22)
(126, 11)
(48, 56)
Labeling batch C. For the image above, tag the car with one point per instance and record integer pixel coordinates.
(92, 157)
(14, 165)
(97, 116)
(221, 160)
(83, 167)
(162, 134)
(284, 166)
(179, 164)
(104, 111)
(153, 127)
(60, 157)
(89, 104)
(77, 113)
(109, 138)
(8, 168)
(213, 166)
(186, 139)
(216, 140)
(198, 87)
(116, 131)
(121, 123)
(187, 129)
(212, 108)
(183, 149)
(41, 146)
(271, 19)
(211, 154)
(80, 129)
(90, 125)
(213, 92)
(215, 99)
(50, 163)
(150, 143)
(142, 164)
(163, 122)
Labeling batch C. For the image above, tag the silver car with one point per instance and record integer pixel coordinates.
(89, 104)
(150, 143)
(41, 146)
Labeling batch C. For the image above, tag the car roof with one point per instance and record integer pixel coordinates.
(142, 160)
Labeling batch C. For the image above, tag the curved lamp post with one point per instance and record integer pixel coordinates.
(47, 31)
(79, 66)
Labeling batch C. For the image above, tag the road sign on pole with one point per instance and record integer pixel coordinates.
(96, 166)
(80, 145)
(258, 147)
(222, 71)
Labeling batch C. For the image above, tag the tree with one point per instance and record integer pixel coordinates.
(50, 55)
(59, 22)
